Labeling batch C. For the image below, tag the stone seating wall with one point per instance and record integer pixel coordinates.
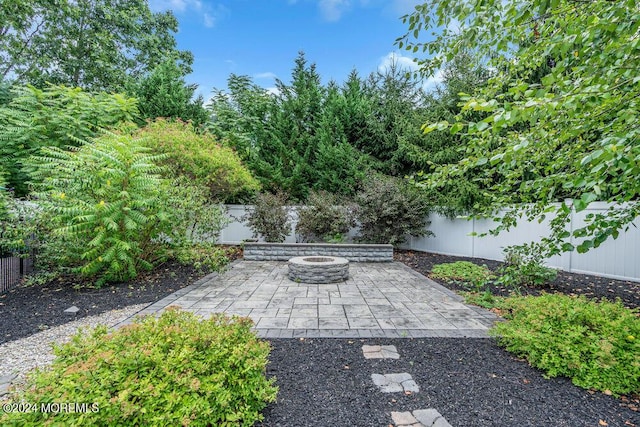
(284, 251)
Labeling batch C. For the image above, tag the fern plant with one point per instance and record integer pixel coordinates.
(105, 204)
(53, 116)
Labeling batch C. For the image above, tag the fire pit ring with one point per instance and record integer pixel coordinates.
(318, 269)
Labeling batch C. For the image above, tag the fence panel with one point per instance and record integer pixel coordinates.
(619, 259)
(11, 271)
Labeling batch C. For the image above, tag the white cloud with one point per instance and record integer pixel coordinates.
(273, 91)
(407, 63)
(332, 10)
(397, 59)
(266, 76)
(209, 20)
(432, 82)
(210, 13)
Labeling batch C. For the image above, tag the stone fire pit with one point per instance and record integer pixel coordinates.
(318, 269)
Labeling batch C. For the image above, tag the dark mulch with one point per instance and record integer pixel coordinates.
(471, 382)
(25, 310)
(567, 283)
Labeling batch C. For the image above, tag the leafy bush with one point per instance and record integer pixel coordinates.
(324, 218)
(203, 256)
(389, 211)
(194, 217)
(105, 205)
(483, 299)
(175, 370)
(523, 267)
(269, 217)
(596, 344)
(462, 272)
(201, 158)
(18, 226)
(56, 116)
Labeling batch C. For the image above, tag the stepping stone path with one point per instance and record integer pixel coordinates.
(419, 418)
(380, 352)
(402, 382)
(393, 383)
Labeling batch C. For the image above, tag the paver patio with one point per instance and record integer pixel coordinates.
(378, 300)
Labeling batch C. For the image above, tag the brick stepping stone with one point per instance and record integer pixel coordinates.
(394, 383)
(420, 418)
(380, 352)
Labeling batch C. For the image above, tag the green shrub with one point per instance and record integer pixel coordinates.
(202, 158)
(523, 267)
(462, 272)
(105, 206)
(203, 256)
(389, 211)
(194, 217)
(596, 344)
(483, 299)
(324, 218)
(175, 370)
(269, 217)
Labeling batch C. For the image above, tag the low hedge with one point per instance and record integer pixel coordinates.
(596, 344)
(173, 370)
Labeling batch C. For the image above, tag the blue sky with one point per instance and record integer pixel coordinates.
(261, 38)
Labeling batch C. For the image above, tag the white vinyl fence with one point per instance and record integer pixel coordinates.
(238, 231)
(619, 259)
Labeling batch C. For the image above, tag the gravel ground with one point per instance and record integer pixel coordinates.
(325, 382)
(471, 382)
(36, 351)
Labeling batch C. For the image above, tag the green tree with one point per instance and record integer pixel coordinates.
(295, 125)
(395, 117)
(340, 167)
(164, 93)
(94, 44)
(461, 75)
(296, 140)
(573, 134)
(242, 117)
(56, 116)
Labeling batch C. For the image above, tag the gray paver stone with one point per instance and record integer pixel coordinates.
(441, 422)
(427, 416)
(403, 419)
(399, 378)
(411, 386)
(430, 418)
(379, 380)
(389, 352)
(370, 348)
(72, 310)
(380, 352)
